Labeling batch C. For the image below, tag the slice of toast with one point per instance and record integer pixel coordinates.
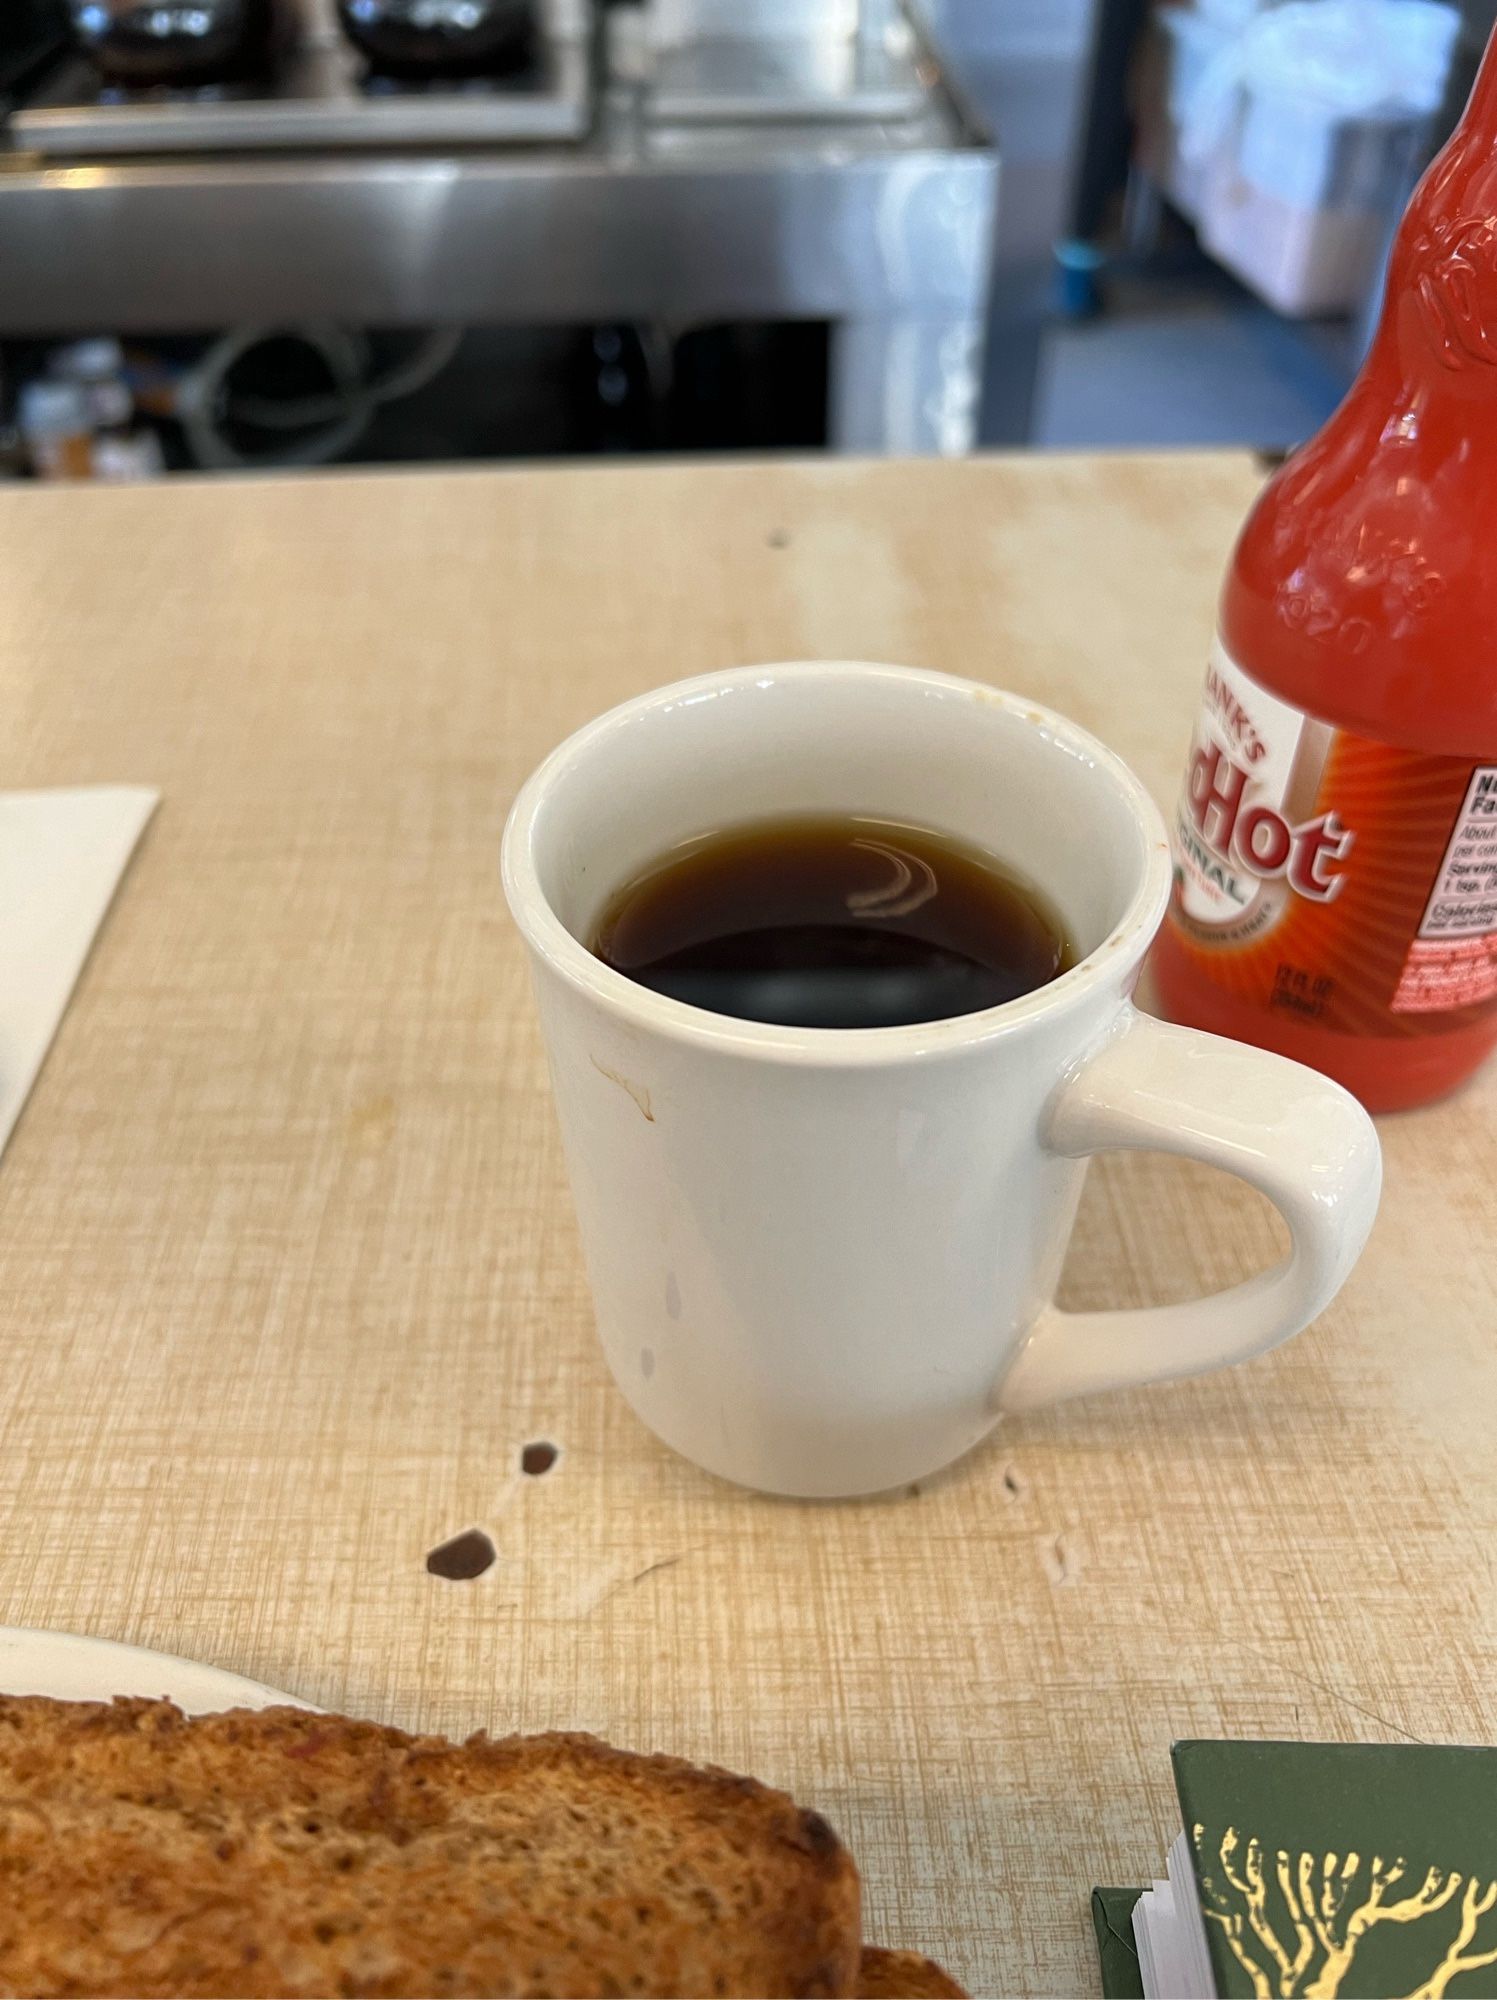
(904, 1975)
(290, 1853)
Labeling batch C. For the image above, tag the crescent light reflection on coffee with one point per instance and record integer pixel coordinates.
(833, 921)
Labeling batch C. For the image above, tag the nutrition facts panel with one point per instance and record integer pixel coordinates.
(1453, 961)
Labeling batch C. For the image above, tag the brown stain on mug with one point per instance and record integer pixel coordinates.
(635, 1090)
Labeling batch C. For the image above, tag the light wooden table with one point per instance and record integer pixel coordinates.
(287, 1270)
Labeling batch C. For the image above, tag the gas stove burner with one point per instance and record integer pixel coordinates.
(176, 41)
(320, 92)
(440, 38)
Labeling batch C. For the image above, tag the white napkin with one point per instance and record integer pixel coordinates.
(61, 855)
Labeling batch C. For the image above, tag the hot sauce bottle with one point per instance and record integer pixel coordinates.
(1335, 842)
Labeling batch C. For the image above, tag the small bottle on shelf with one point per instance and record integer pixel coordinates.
(56, 429)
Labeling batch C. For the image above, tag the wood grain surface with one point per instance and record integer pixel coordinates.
(288, 1277)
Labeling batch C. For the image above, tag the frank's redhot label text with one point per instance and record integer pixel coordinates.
(1340, 881)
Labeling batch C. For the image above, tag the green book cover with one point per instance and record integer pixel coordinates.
(1363, 1870)
(1117, 1954)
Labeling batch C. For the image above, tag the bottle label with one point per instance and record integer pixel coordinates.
(1342, 881)
(1453, 961)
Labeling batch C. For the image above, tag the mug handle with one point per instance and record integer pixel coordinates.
(1301, 1139)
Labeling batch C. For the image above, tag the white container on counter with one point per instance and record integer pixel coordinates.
(1292, 138)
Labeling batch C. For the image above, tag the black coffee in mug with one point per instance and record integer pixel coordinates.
(833, 921)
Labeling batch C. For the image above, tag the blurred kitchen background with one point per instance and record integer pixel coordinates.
(237, 233)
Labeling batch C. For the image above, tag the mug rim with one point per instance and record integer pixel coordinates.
(1118, 954)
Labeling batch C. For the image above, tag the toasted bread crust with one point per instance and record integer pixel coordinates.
(286, 1853)
(904, 1975)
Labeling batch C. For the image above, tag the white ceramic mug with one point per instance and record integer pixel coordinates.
(824, 1260)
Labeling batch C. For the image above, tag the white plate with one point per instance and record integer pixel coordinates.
(74, 1668)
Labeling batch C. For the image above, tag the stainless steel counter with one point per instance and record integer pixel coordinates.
(884, 228)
